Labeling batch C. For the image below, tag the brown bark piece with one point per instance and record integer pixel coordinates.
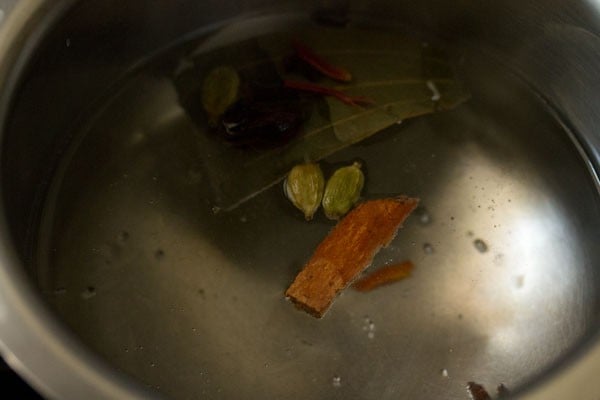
(384, 276)
(348, 250)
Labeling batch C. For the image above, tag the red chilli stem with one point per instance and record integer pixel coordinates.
(325, 91)
(321, 65)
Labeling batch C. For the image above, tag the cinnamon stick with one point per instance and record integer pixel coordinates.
(346, 251)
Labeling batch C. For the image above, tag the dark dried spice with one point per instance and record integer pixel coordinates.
(477, 391)
(258, 121)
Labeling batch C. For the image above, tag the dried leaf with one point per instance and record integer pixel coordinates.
(396, 72)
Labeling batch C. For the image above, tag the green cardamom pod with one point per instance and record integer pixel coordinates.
(304, 188)
(343, 190)
(219, 91)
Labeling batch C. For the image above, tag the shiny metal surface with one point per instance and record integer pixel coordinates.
(190, 302)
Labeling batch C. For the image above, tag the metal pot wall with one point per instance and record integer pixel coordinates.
(57, 56)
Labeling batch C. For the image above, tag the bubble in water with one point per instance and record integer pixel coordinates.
(243, 218)
(369, 327)
(215, 210)
(336, 381)
(123, 236)
(399, 122)
(88, 293)
(435, 93)
(68, 42)
(424, 217)
(428, 248)
(480, 245)
(159, 254)
(445, 373)
(126, 350)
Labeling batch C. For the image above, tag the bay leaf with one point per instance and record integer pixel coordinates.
(403, 78)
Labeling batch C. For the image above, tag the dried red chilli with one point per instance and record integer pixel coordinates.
(310, 57)
(325, 91)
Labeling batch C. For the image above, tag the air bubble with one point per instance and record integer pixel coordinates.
(428, 248)
(424, 217)
(480, 245)
(336, 381)
(369, 327)
(435, 93)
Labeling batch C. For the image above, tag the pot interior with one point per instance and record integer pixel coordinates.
(126, 245)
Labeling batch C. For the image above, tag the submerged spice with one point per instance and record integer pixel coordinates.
(346, 251)
(266, 121)
(397, 88)
(310, 57)
(383, 276)
(343, 190)
(219, 91)
(325, 91)
(304, 188)
(477, 391)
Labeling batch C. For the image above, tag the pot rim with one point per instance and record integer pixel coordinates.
(50, 357)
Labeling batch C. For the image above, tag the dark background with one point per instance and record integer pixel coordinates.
(11, 383)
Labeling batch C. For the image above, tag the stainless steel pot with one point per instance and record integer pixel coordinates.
(525, 313)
